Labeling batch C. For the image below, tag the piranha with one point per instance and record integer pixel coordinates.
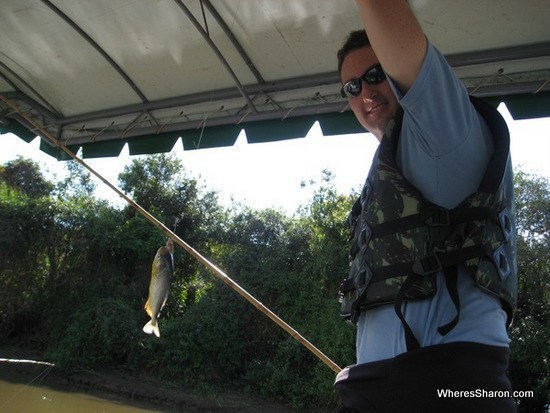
(159, 287)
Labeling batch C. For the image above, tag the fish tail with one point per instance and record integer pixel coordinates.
(152, 328)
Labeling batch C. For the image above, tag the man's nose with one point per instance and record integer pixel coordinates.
(368, 92)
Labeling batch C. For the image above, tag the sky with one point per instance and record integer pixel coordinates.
(270, 174)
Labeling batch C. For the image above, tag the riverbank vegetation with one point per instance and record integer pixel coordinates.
(74, 273)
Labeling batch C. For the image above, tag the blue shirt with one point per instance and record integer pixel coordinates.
(443, 150)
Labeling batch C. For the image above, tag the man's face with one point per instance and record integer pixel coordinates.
(376, 104)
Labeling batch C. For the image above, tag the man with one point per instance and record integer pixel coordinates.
(432, 284)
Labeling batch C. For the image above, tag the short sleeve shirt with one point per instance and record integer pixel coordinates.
(443, 150)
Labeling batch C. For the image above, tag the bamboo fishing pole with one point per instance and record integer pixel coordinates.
(214, 269)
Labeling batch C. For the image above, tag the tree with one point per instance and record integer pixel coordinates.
(530, 331)
(24, 226)
(78, 182)
(160, 184)
(293, 265)
(327, 218)
(74, 273)
(25, 175)
(25, 212)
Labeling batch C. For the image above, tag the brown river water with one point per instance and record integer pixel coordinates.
(28, 386)
(24, 398)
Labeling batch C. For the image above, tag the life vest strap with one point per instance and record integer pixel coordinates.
(451, 281)
(435, 216)
(431, 264)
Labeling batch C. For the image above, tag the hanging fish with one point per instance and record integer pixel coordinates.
(159, 287)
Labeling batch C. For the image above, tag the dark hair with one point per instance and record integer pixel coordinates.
(355, 40)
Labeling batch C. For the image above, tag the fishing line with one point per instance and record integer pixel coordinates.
(214, 269)
(41, 375)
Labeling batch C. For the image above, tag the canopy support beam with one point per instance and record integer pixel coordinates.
(217, 52)
(97, 47)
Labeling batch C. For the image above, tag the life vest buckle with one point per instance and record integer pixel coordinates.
(436, 217)
(427, 265)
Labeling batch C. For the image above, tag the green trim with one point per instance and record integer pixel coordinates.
(56, 152)
(342, 123)
(525, 106)
(214, 137)
(529, 106)
(148, 144)
(17, 129)
(103, 149)
(277, 130)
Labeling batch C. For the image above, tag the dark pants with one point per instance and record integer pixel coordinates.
(410, 382)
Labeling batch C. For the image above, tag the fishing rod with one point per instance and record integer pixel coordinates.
(213, 268)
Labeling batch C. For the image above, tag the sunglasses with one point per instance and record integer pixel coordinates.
(353, 88)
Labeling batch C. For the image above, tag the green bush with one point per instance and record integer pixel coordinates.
(74, 274)
(100, 334)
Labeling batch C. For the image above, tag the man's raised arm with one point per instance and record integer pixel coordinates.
(396, 38)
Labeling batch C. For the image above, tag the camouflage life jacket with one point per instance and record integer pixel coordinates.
(400, 240)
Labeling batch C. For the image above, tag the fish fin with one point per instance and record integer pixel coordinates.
(170, 245)
(152, 328)
(148, 309)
